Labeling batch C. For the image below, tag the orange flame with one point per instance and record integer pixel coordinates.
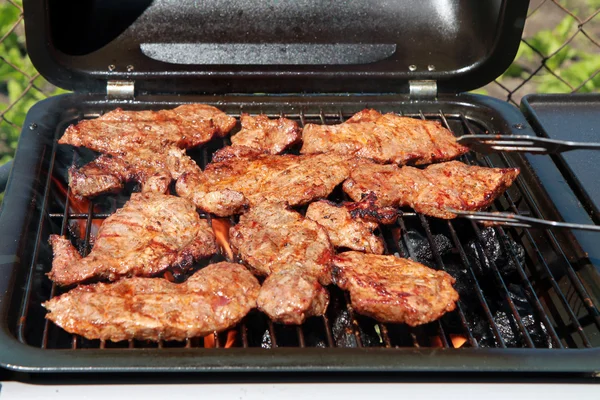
(221, 228)
(77, 206)
(209, 341)
(458, 341)
(168, 275)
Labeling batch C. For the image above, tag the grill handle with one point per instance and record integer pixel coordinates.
(523, 144)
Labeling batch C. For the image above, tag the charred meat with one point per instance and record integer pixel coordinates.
(261, 134)
(229, 187)
(351, 225)
(384, 138)
(150, 233)
(213, 299)
(143, 146)
(394, 290)
(295, 254)
(433, 190)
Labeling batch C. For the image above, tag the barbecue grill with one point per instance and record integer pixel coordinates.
(528, 297)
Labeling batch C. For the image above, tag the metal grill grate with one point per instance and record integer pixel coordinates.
(518, 288)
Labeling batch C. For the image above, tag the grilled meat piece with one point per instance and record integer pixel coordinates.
(289, 297)
(213, 299)
(433, 190)
(143, 146)
(294, 252)
(351, 225)
(150, 233)
(271, 237)
(229, 187)
(261, 134)
(385, 138)
(394, 290)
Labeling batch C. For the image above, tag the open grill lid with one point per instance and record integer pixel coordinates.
(235, 46)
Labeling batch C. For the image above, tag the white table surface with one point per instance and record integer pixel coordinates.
(284, 391)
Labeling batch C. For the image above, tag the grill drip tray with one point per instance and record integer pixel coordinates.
(518, 288)
(576, 118)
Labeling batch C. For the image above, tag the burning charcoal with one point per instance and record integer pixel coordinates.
(483, 254)
(266, 341)
(417, 247)
(313, 340)
(506, 327)
(535, 328)
(342, 330)
(490, 251)
(368, 334)
(480, 329)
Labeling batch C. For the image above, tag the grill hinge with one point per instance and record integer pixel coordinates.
(120, 90)
(422, 90)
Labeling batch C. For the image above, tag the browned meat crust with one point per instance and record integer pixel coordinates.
(143, 146)
(150, 233)
(433, 190)
(213, 299)
(274, 240)
(289, 297)
(261, 134)
(271, 237)
(394, 290)
(229, 187)
(385, 138)
(351, 225)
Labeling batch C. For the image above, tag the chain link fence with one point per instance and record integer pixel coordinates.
(559, 52)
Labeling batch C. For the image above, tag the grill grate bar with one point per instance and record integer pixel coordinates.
(441, 266)
(573, 278)
(79, 215)
(520, 268)
(86, 249)
(300, 334)
(244, 333)
(438, 258)
(507, 249)
(272, 335)
(483, 255)
(355, 325)
(444, 328)
(63, 230)
(481, 249)
(38, 240)
(479, 291)
(400, 251)
(385, 335)
(328, 333)
(531, 292)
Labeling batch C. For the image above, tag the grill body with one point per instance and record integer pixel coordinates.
(528, 297)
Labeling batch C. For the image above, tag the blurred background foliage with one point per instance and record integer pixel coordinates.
(20, 84)
(559, 53)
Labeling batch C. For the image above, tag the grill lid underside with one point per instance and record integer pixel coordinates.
(239, 46)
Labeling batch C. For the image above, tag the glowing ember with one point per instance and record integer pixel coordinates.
(221, 228)
(458, 341)
(231, 336)
(209, 341)
(169, 276)
(77, 206)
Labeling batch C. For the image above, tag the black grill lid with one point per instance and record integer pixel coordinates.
(219, 46)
